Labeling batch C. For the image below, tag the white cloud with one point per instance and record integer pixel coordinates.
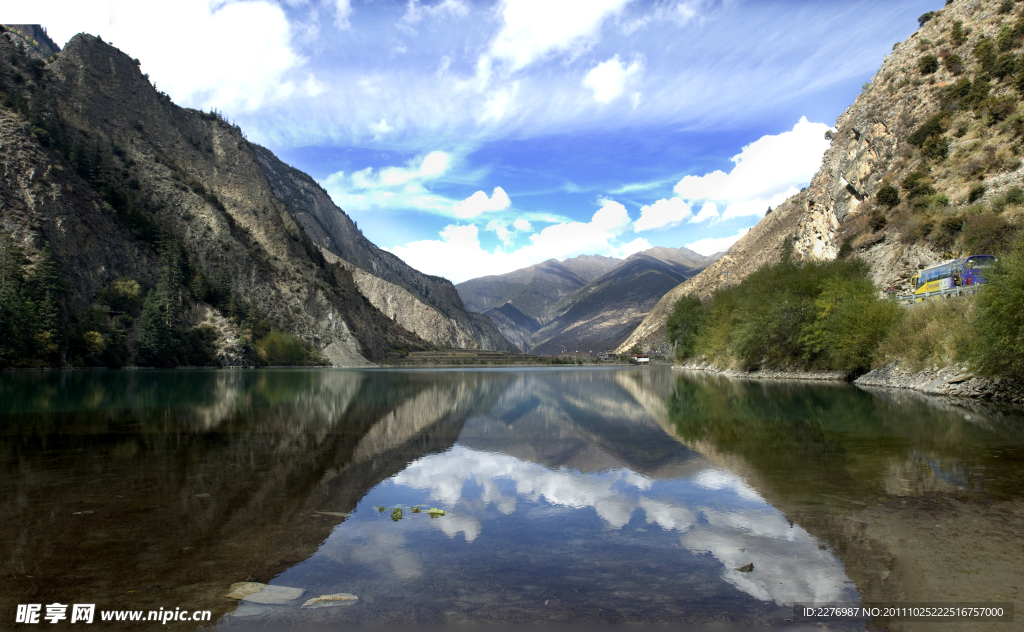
(478, 204)
(522, 224)
(393, 187)
(709, 245)
(342, 12)
(415, 11)
(662, 214)
(381, 129)
(609, 78)
(765, 168)
(458, 255)
(707, 212)
(245, 61)
(757, 207)
(535, 28)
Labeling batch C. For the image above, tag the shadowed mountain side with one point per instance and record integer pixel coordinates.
(332, 229)
(514, 325)
(227, 493)
(577, 422)
(600, 315)
(537, 289)
(135, 171)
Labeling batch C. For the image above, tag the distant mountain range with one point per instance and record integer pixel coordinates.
(587, 303)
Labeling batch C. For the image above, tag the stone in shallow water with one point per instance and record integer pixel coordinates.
(253, 610)
(255, 592)
(330, 601)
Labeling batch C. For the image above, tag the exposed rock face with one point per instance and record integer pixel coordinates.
(157, 170)
(427, 305)
(871, 149)
(954, 381)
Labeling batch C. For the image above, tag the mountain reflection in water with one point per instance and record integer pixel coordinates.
(570, 495)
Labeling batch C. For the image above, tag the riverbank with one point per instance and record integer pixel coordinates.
(766, 374)
(950, 381)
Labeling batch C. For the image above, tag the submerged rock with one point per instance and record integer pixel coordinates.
(255, 592)
(330, 601)
(746, 568)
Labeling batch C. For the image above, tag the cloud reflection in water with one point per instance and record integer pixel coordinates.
(734, 524)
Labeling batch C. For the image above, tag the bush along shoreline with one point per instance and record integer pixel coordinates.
(827, 320)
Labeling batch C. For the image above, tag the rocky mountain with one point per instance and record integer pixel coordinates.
(32, 38)
(925, 165)
(427, 305)
(584, 303)
(132, 226)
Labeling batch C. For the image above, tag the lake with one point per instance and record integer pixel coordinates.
(621, 494)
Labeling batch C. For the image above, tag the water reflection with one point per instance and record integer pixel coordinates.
(571, 495)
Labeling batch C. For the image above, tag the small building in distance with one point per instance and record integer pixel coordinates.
(641, 358)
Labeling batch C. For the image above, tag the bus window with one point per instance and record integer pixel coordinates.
(981, 263)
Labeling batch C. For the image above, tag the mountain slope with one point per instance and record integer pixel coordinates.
(110, 174)
(534, 290)
(589, 302)
(606, 310)
(923, 166)
(402, 292)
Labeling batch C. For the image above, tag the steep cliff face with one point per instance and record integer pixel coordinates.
(938, 132)
(107, 170)
(435, 310)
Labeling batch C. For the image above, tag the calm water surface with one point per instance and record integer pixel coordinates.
(621, 495)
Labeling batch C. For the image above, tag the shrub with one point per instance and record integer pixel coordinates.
(1000, 107)
(278, 348)
(918, 184)
(958, 35)
(888, 196)
(924, 18)
(877, 221)
(979, 92)
(124, 294)
(683, 325)
(985, 53)
(933, 332)
(987, 234)
(935, 148)
(976, 193)
(934, 126)
(999, 348)
(1005, 7)
(955, 64)
(928, 64)
(1006, 64)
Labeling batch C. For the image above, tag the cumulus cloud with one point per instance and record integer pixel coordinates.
(766, 173)
(522, 224)
(609, 79)
(381, 129)
(711, 245)
(393, 187)
(458, 255)
(250, 41)
(707, 212)
(478, 204)
(662, 214)
(764, 168)
(342, 12)
(535, 28)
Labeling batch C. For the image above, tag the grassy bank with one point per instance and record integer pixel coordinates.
(828, 316)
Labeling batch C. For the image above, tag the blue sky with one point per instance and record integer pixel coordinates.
(474, 138)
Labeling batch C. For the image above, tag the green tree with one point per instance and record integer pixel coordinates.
(684, 325)
(999, 319)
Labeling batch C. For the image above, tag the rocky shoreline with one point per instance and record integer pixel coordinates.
(950, 381)
(767, 374)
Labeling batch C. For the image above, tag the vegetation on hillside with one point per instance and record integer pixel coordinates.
(937, 189)
(828, 315)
